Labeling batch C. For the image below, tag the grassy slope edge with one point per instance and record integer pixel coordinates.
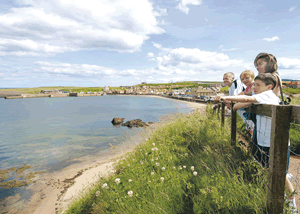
(187, 166)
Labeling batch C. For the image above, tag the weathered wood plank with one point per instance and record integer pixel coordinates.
(233, 125)
(223, 115)
(295, 114)
(261, 109)
(278, 157)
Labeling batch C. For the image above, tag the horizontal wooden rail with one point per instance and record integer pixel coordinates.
(264, 109)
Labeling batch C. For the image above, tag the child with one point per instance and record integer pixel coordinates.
(263, 86)
(247, 77)
(267, 63)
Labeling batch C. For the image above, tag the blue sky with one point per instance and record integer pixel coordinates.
(126, 42)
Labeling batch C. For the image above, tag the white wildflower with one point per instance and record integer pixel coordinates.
(128, 165)
(184, 167)
(117, 180)
(97, 193)
(156, 158)
(195, 173)
(130, 193)
(192, 167)
(149, 181)
(163, 168)
(141, 162)
(129, 180)
(162, 179)
(154, 149)
(104, 185)
(174, 167)
(186, 154)
(153, 144)
(152, 159)
(121, 162)
(180, 167)
(157, 164)
(152, 173)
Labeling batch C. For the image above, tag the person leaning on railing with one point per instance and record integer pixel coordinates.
(262, 87)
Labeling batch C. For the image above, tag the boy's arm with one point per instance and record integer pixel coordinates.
(241, 105)
(240, 98)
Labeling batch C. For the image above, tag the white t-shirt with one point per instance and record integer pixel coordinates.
(235, 91)
(263, 123)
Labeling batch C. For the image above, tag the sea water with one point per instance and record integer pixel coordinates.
(53, 133)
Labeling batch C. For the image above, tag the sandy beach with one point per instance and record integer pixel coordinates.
(53, 192)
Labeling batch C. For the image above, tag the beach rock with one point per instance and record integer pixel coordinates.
(135, 123)
(150, 123)
(117, 120)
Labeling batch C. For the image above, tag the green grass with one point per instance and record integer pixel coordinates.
(295, 101)
(224, 89)
(291, 90)
(228, 180)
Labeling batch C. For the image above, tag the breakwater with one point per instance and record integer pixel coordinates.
(188, 99)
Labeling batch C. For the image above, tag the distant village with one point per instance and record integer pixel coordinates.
(210, 90)
(207, 93)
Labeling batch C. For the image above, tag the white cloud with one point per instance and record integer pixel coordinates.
(85, 70)
(288, 63)
(150, 54)
(58, 26)
(273, 39)
(231, 49)
(182, 6)
(157, 45)
(221, 46)
(292, 8)
(160, 12)
(73, 69)
(190, 62)
(29, 48)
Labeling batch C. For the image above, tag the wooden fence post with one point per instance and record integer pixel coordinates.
(223, 114)
(281, 118)
(233, 125)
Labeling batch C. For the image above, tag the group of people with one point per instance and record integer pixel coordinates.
(263, 89)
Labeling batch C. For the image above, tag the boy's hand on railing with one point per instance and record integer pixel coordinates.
(217, 98)
(223, 99)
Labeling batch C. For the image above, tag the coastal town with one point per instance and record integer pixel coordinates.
(199, 90)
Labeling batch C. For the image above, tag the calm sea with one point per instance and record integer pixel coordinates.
(51, 133)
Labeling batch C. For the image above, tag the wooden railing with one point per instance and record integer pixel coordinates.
(282, 116)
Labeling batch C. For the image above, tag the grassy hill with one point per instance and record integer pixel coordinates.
(187, 166)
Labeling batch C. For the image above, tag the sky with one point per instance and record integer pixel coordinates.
(100, 43)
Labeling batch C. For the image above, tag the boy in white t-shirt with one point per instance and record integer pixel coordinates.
(262, 87)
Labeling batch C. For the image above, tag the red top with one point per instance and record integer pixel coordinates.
(249, 88)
